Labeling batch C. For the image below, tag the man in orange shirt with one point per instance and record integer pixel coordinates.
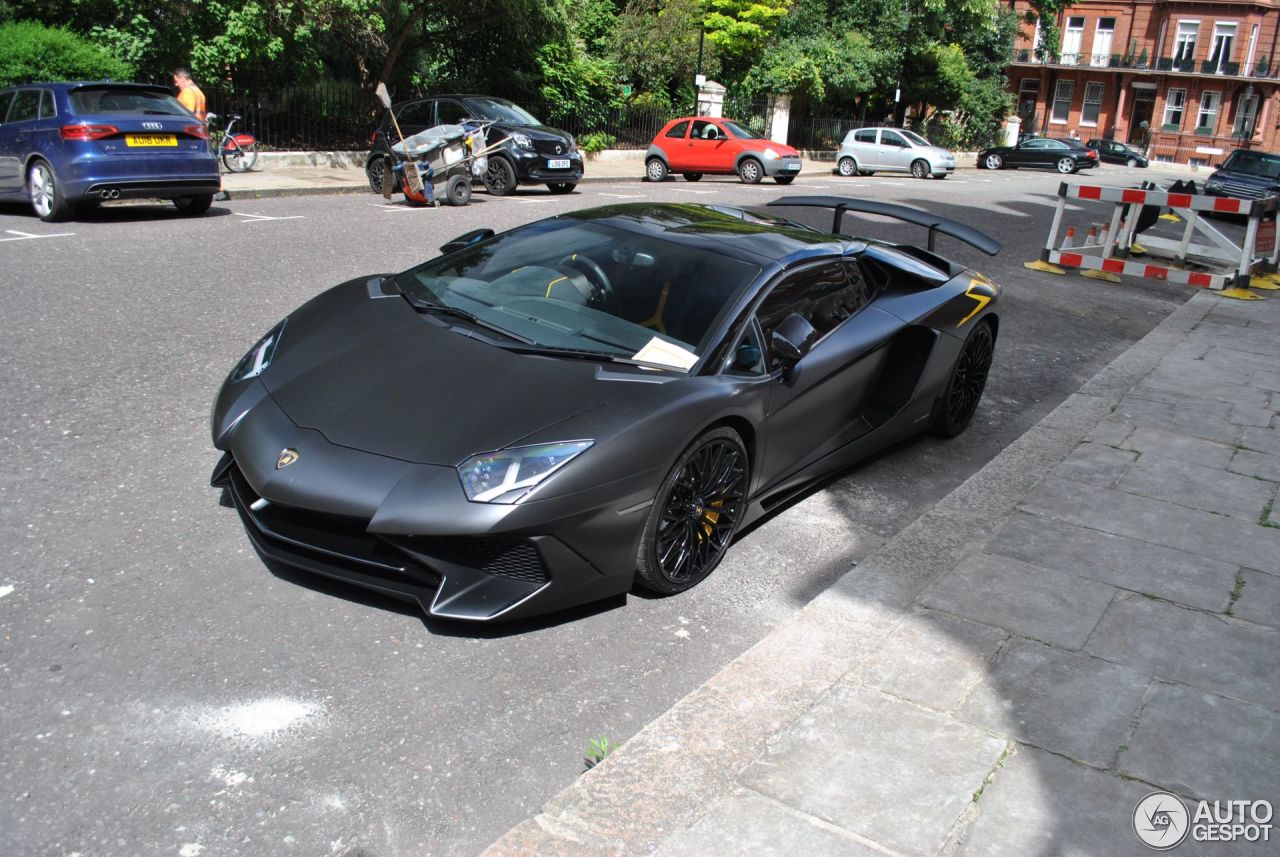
(189, 95)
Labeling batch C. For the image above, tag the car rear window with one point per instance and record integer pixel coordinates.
(1255, 163)
(124, 100)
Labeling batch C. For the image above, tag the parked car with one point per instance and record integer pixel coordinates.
(701, 145)
(1246, 173)
(866, 151)
(1060, 153)
(532, 154)
(548, 416)
(69, 146)
(1112, 152)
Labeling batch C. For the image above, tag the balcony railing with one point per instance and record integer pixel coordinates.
(1185, 65)
(1230, 69)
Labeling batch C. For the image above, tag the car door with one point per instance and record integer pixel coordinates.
(16, 136)
(708, 148)
(819, 409)
(864, 147)
(675, 145)
(896, 151)
(9, 164)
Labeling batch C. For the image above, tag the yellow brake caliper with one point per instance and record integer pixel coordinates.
(710, 518)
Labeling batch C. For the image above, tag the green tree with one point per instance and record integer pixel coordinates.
(31, 52)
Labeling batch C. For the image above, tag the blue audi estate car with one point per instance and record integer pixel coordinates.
(69, 146)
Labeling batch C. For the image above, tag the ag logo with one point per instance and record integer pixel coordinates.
(287, 457)
(1160, 819)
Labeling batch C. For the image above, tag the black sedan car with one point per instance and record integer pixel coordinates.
(532, 154)
(1062, 154)
(548, 416)
(1112, 152)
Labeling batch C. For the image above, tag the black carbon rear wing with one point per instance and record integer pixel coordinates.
(932, 222)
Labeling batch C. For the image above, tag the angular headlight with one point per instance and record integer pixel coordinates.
(506, 476)
(259, 357)
(522, 140)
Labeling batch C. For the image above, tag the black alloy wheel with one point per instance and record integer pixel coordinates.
(500, 179)
(968, 379)
(695, 515)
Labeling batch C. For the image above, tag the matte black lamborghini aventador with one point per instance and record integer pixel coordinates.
(548, 416)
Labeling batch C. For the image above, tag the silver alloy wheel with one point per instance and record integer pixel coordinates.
(749, 171)
(994, 162)
(1132, 162)
(848, 167)
(40, 188)
(919, 169)
(656, 170)
(1066, 165)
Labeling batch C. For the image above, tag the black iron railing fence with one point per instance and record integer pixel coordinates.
(322, 117)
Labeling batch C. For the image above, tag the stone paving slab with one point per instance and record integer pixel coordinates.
(1259, 600)
(882, 768)
(1127, 563)
(1179, 446)
(1061, 701)
(1206, 488)
(1205, 746)
(1096, 464)
(1217, 653)
(1261, 439)
(1030, 600)
(1209, 422)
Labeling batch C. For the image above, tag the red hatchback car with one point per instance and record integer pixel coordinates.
(700, 145)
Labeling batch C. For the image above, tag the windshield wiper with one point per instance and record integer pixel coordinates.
(582, 354)
(423, 305)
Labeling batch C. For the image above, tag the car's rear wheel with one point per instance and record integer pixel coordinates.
(1066, 166)
(561, 187)
(500, 178)
(847, 167)
(692, 177)
(373, 171)
(45, 194)
(920, 169)
(750, 171)
(959, 401)
(655, 170)
(1131, 162)
(196, 204)
(993, 162)
(695, 515)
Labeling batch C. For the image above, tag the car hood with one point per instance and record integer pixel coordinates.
(1244, 178)
(938, 151)
(534, 132)
(374, 375)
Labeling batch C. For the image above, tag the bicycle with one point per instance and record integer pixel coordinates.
(239, 151)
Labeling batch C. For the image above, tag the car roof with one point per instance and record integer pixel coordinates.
(740, 233)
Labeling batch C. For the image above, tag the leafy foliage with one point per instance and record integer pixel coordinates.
(31, 52)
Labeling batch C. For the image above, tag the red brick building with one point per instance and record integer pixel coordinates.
(1189, 79)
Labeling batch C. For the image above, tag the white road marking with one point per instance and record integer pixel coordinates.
(820, 185)
(622, 195)
(532, 201)
(5, 590)
(687, 190)
(258, 218)
(27, 236)
(623, 186)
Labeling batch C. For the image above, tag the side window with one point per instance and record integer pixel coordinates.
(46, 105)
(748, 358)
(704, 130)
(26, 106)
(6, 98)
(824, 296)
(419, 114)
(450, 112)
(679, 129)
(865, 136)
(892, 138)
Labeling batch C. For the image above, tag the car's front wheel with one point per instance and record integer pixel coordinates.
(750, 171)
(993, 162)
(693, 177)
(695, 515)
(655, 170)
(959, 401)
(500, 178)
(920, 169)
(1131, 162)
(847, 167)
(1066, 166)
(561, 187)
(196, 204)
(46, 194)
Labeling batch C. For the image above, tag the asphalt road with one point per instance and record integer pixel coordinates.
(163, 692)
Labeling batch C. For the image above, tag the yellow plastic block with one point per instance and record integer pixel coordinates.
(1264, 283)
(1105, 276)
(1136, 249)
(1171, 217)
(1241, 295)
(1044, 266)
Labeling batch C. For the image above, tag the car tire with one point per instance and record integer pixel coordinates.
(920, 169)
(655, 170)
(561, 187)
(713, 473)
(45, 193)
(693, 177)
(192, 205)
(784, 179)
(500, 178)
(1067, 166)
(458, 190)
(993, 162)
(847, 167)
(959, 400)
(750, 171)
(1131, 163)
(373, 171)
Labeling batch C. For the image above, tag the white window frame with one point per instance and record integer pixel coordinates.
(1247, 68)
(1207, 109)
(1225, 30)
(1073, 57)
(1053, 106)
(1098, 88)
(1170, 107)
(1102, 60)
(1187, 38)
(1248, 109)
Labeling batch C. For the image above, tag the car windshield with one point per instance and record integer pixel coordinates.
(124, 99)
(1254, 163)
(501, 111)
(741, 133)
(915, 138)
(588, 288)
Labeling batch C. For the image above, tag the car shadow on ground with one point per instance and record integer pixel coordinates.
(127, 212)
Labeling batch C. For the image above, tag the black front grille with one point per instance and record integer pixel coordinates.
(1242, 190)
(552, 148)
(502, 556)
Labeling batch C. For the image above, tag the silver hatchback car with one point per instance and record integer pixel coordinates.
(893, 150)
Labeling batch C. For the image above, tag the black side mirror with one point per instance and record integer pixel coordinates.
(791, 341)
(466, 239)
